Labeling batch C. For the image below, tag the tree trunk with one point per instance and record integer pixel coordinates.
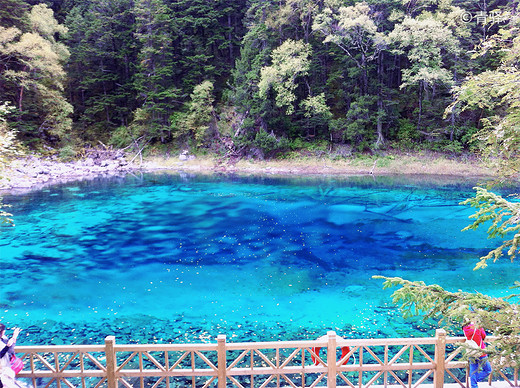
(20, 98)
(364, 73)
(230, 40)
(452, 120)
(420, 104)
(380, 138)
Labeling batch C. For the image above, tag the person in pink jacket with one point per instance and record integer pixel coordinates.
(479, 367)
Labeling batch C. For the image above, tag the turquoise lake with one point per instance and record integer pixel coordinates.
(183, 258)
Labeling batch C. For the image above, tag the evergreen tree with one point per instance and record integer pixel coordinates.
(255, 112)
(451, 309)
(13, 13)
(200, 117)
(207, 36)
(101, 66)
(153, 77)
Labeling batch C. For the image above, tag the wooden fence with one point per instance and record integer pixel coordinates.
(406, 362)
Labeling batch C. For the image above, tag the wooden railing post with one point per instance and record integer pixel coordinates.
(110, 356)
(222, 359)
(440, 356)
(331, 359)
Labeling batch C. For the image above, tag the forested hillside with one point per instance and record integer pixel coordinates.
(251, 77)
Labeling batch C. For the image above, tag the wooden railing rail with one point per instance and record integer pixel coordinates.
(406, 362)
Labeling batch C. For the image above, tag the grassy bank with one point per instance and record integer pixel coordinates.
(421, 163)
(32, 172)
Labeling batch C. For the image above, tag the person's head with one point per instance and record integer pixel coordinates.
(467, 321)
(2, 329)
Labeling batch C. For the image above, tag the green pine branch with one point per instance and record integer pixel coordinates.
(505, 220)
(498, 316)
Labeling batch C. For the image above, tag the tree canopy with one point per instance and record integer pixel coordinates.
(34, 75)
(332, 71)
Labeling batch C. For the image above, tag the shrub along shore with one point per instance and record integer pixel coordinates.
(32, 172)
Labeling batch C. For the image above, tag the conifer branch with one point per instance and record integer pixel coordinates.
(505, 220)
(499, 317)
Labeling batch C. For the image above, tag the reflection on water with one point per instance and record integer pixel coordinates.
(185, 258)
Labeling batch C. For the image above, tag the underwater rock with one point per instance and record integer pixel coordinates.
(404, 234)
(354, 289)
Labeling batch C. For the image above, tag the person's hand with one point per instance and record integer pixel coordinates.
(13, 339)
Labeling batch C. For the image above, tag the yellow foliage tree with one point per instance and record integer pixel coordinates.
(35, 66)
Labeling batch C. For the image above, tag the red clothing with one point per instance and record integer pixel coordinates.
(477, 335)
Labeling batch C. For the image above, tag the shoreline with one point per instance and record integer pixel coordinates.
(32, 173)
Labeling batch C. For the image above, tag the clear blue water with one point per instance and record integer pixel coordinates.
(177, 258)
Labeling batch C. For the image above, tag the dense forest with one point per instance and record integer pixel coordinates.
(252, 77)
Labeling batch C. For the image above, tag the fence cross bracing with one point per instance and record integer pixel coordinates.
(405, 362)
